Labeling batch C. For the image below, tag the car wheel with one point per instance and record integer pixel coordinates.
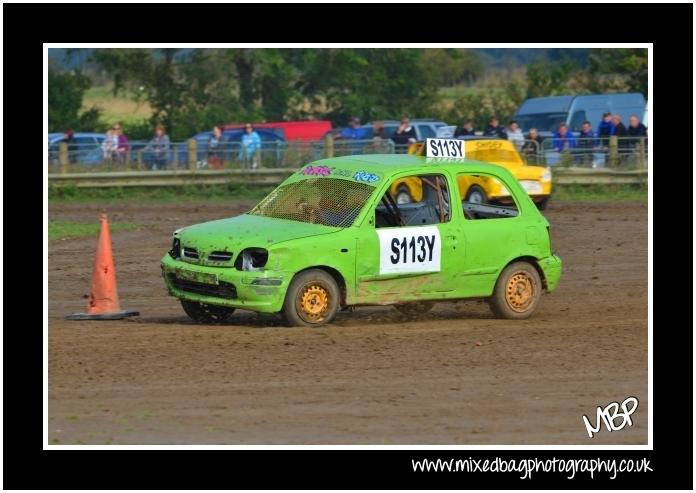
(476, 195)
(517, 291)
(206, 314)
(415, 308)
(312, 299)
(541, 205)
(403, 196)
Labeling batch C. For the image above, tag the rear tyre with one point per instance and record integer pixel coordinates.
(206, 314)
(415, 308)
(476, 195)
(517, 292)
(541, 205)
(312, 299)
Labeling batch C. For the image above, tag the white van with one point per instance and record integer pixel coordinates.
(545, 114)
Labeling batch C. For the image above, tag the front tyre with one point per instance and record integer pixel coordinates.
(206, 314)
(312, 299)
(517, 292)
(541, 205)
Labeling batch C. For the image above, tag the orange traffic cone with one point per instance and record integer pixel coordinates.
(103, 299)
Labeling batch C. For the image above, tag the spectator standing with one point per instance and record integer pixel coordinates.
(464, 130)
(620, 132)
(494, 129)
(251, 143)
(586, 142)
(378, 145)
(563, 140)
(109, 145)
(122, 146)
(353, 130)
(638, 132)
(405, 134)
(605, 129)
(532, 147)
(515, 135)
(215, 144)
(636, 128)
(158, 149)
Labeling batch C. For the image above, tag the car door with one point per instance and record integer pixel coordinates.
(492, 233)
(415, 259)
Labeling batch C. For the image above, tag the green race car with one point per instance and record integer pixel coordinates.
(332, 236)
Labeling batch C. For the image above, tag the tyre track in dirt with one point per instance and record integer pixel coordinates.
(457, 376)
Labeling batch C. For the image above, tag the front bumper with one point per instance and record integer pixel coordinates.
(260, 291)
(552, 267)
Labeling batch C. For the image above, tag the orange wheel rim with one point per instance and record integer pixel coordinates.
(313, 303)
(520, 291)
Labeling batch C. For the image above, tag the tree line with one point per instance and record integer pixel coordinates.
(190, 90)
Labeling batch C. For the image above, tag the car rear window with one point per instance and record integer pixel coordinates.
(327, 201)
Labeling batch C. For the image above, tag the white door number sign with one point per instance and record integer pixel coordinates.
(450, 148)
(404, 250)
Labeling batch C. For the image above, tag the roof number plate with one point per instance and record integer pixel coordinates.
(448, 148)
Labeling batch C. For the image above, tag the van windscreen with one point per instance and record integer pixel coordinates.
(541, 121)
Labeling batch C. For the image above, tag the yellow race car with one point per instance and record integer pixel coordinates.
(536, 180)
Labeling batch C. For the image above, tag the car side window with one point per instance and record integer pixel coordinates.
(431, 203)
(485, 197)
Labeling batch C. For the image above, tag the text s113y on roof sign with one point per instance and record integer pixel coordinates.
(448, 148)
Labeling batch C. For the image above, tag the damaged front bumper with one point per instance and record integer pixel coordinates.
(260, 291)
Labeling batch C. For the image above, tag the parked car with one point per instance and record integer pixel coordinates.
(332, 237)
(536, 180)
(292, 130)
(546, 113)
(86, 148)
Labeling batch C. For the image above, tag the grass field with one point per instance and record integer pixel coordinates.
(121, 108)
(58, 229)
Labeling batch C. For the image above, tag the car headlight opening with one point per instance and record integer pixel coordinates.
(251, 259)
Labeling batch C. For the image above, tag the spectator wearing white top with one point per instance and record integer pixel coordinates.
(515, 135)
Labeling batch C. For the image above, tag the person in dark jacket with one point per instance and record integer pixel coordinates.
(405, 134)
(636, 128)
(466, 129)
(586, 142)
(605, 129)
(495, 129)
(620, 132)
(532, 147)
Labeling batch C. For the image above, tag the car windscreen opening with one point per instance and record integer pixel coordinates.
(327, 201)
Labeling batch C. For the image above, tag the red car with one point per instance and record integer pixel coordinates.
(294, 130)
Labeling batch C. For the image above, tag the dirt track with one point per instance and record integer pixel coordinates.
(456, 377)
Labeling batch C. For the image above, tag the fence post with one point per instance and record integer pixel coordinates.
(258, 158)
(140, 159)
(63, 157)
(641, 153)
(175, 157)
(192, 153)
(329, 146)
(614, 151)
